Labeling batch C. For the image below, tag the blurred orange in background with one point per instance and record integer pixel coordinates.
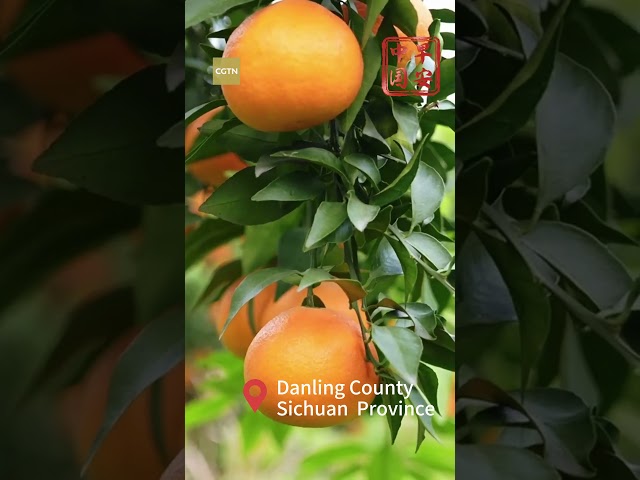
(67, 77)
(9, 13)
(130, 451)
(211, 171)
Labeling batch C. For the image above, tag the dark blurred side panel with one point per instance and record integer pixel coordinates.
(91, 240)
(548, 232)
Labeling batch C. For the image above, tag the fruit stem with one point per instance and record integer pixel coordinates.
(333, 137)
(350, 256)
(312, 253)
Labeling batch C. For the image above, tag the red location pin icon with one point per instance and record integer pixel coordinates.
(254, 402)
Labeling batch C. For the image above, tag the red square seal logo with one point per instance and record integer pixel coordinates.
(424, 79)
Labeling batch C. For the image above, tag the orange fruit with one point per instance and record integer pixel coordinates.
(422, 26)
(305, 345)
(300, 66)
(129, 452)
(66, 77)
(210, 171)
(220, 255)
(195, 201)
(239, 333)
(25, 146)
(330, 293)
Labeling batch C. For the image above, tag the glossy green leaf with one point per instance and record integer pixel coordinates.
(359, 212)
(232, 201)
(292, 187)
(402, 348)
(427, 192)
(328, 218)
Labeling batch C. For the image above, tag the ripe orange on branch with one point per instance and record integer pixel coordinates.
(300, 66)
(305, 345)
(212, 170)
(239, 334)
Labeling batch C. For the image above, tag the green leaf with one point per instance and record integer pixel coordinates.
(328, 217)
(110, 148)
(427, 192)
(232, 201)
(409, 266)
(430, 248)
(497, 461)
(402, 348)
(407, 118)
(401, 184)
(200, 110)
(196, 11)
(603, 278)
(344, 452)
(572, 141)
(204, 410)
(372, 64)
(222, 278)
(569, 152)
(313, 276)
(173, 137)
(386, 262)
(373, 141)
(261, 242)
(567, 426)
(290, 250)
(374, 8)
(292, 187)
(445, 15)
(472, 185)
(530, 300)
(447, 79)
(470, 19)
(514, 106)
(402, 14)
(417, 398)
(424, 319)
(381, 223)
(25, 27)
(210, 136)
(359, 212)
(438, 117)
(68, 223)
(318, 156)
(391, 400)
(365, 164)
(158, 289)
(210, 234)
(247, 143)
(153, 353)
(582, 216)
(252, 285)
(428, 384)
(438, 355)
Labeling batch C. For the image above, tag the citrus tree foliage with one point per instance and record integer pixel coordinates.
(547, 277)
(111, 185)
(355, 201)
